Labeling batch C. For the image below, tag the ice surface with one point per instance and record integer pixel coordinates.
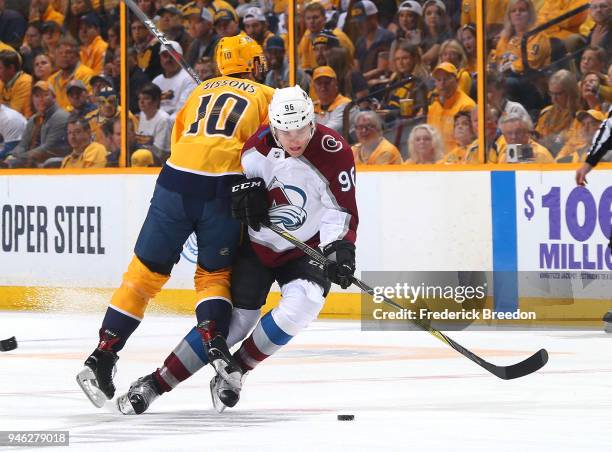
(407, 390)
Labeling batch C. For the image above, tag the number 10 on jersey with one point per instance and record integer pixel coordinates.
(215, 124)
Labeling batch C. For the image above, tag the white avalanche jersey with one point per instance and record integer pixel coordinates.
(311, 196)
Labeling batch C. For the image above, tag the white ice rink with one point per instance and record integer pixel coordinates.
(407, 390)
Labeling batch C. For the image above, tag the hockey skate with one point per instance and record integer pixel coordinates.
(222, 394)
(220, 358)
(140, 396)
(96, 377)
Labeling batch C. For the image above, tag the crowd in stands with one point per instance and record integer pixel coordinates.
(397, 78)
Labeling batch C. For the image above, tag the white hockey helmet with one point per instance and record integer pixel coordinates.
(291, 109)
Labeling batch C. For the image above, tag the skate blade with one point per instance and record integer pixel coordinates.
(216, 401)
(86, 380)
(124, 405)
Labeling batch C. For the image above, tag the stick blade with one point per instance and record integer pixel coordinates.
(533, 363)
(9, 344)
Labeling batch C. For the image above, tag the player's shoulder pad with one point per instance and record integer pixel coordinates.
(330, 141)
(329, 152)
(259, 141)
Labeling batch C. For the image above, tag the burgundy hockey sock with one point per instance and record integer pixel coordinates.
(186, 359)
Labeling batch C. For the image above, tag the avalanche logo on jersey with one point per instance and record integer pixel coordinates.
(330, 144)
(286, 205)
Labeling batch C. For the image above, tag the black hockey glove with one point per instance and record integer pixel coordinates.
(250, 202)
(342, 265)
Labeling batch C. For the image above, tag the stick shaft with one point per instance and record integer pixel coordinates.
(162, 39)
(525, 367)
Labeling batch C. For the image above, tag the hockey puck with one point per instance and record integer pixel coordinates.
(346, 417)
(8, 344)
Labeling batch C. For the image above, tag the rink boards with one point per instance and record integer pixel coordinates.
(66, 237)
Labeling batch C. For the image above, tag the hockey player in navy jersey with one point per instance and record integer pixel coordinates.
(300, 176)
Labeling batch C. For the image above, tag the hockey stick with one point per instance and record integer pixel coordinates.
(160, 36)
(525, 367)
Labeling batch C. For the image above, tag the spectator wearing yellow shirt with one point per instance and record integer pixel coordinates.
(372, 148)
(15, 85)
(330, 106)
(577, 150)
(448, 100)
(43, 11)
(70, 68)
(425, 146)
(329, 52)
(516, 129)
(521, 18)
(507, 57)
(463, 152)
(314, 16)
(451, 51)
(85, 153)
(93, 47)
(556, 122)
(567, 31)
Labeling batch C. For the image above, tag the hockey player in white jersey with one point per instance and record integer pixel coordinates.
(300, 176)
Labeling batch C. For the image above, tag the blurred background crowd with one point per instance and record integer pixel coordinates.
(397, 79)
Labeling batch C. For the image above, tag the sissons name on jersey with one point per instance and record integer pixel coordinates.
(311, 196)
(238, 84)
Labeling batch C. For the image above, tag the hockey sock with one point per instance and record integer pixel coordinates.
(265, 340)
(130, 300)
(217, 309)
(212, 289)
(186, 359)
(121, 323)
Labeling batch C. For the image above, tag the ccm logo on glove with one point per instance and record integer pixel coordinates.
(253, 183)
